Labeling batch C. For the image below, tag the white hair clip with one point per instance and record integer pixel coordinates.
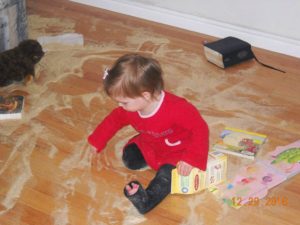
(105, 73)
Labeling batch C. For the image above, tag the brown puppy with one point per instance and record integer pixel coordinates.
(17, 64)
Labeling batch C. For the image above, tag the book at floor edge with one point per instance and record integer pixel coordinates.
(240, 143)
(253, 181)
(285, 159)
(11, 107)
(228, 51)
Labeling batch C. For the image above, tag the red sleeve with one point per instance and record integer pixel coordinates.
(107, 128)
(197, 149)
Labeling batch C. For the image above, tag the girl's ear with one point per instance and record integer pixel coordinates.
(147, 95)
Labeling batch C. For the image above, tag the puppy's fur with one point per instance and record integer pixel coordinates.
(17, 64)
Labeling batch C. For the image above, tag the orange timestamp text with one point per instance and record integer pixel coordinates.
(255, 201)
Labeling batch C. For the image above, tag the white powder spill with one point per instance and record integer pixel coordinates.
(133, 217)
(70, 184)
(15, 191)
(52, 152)
(20, 160)
(222, 213)
(60, 215)
(92, 189)
(80, 159)
(194, 216)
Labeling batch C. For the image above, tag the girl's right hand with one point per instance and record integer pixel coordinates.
(94, 151)
(183, 168)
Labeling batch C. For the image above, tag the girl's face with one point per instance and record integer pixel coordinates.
(132, 104)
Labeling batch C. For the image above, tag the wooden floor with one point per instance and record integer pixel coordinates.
(48, 173)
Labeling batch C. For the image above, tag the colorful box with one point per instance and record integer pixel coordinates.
(199, 180)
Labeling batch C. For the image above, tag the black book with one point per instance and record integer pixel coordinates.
(228, 51)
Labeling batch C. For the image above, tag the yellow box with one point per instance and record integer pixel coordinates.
(216, 172)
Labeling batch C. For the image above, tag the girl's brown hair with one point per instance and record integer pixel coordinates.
(133, 74)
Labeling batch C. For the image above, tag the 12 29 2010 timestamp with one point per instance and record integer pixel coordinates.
(255, 201)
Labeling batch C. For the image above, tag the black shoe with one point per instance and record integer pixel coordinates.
(140, 199)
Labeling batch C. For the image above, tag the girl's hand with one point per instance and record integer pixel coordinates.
(183, 168)
(94, 151)
(94, 157)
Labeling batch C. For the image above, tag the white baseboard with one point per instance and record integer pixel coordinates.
(201, 25)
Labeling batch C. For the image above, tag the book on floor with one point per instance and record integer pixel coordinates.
(11, 107)
(252, 182)
(228, 51)
(285, 159)
(239, 142)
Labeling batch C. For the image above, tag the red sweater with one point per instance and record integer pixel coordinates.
(176, 131)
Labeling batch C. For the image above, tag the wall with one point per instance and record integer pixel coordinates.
(268, 24)
(13, 23)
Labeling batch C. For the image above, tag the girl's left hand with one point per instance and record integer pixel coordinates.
(183, 168)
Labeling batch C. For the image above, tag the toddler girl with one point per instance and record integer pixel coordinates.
(171, 132)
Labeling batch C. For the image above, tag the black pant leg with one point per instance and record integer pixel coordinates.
(146, 199)
(133, 158)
